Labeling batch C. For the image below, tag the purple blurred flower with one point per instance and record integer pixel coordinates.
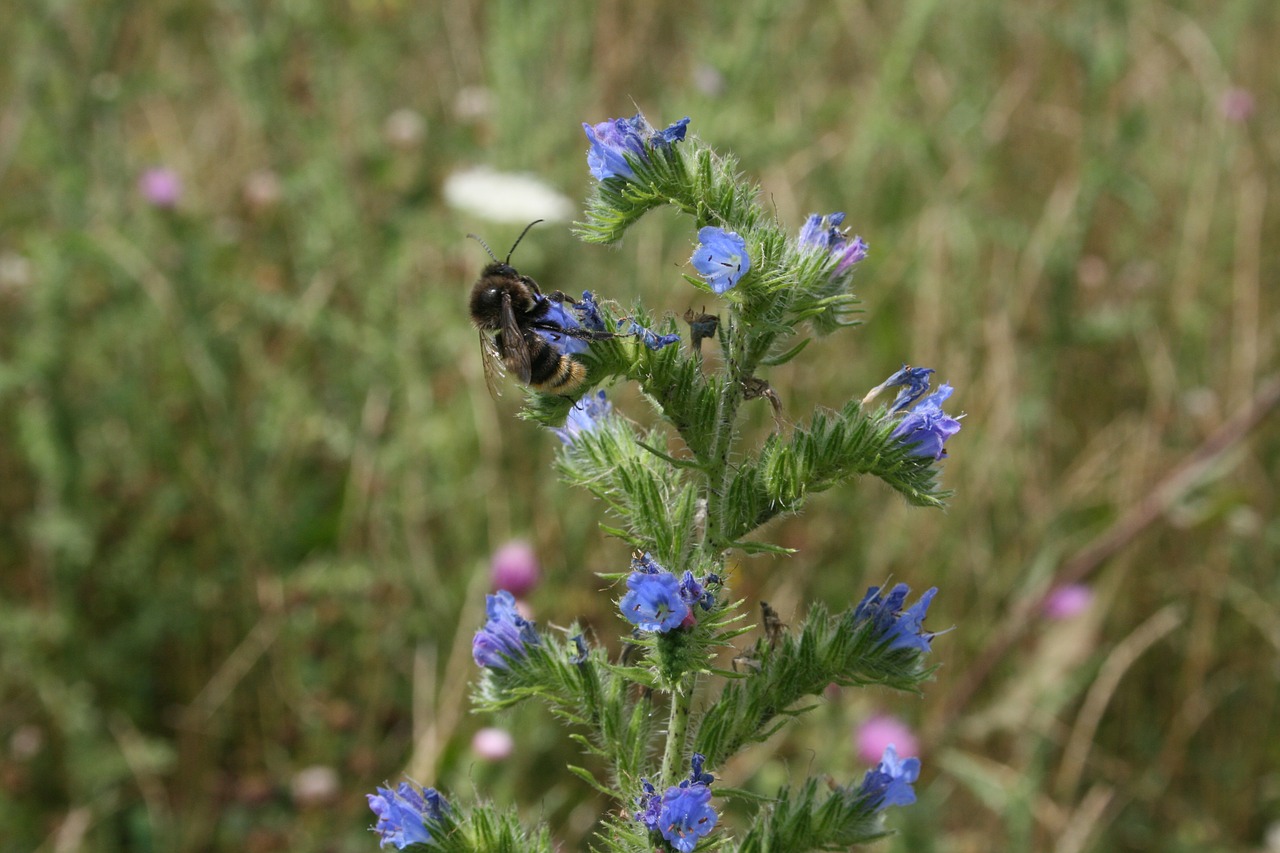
(889, 782)
(1237, 104)
(514, 567)
(505, 635)
(1067, 601)
(721, 258)
(881, 731)
(584, 416)
(901, 629)
(403, 812)
(160, 186)
(927, 427)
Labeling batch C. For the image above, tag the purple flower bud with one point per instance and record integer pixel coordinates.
(878, 732)
(160, 186)
(514, 567)
(1068, 601)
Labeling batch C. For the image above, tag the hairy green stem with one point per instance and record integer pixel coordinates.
(678, 727)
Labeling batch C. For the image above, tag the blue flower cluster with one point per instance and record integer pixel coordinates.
(824, 233)
(650, 338)
(658, 602)
(901, 629)
(506, 634)
(616, 140)
(402, 814)
(681, 813)
(889, 782)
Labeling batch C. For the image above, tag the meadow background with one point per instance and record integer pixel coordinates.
(250, 476)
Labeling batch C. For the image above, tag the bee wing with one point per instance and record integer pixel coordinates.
(492, 365)
(515, 350)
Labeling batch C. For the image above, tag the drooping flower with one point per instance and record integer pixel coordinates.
(824, 233)
(927, 427)
(1067, 601)
(614, 139)
(901, 629)
(589, 312)
(889, 782)
(402, 814)
(514, 567)
(650, 338)
(505, 636)
(721, 258)
(160, 186)
(883, 730)
(584, 416)
(653, 602)
(913, 381)
(682, 813)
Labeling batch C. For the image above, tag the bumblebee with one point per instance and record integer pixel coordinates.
(513, 316)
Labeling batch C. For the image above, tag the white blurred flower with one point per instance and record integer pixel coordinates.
(493, 744)
(506, 196)
(317, 785)
(404, 129)
(472, 103)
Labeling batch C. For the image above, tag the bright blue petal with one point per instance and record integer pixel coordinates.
(653, 602)
(721, 258)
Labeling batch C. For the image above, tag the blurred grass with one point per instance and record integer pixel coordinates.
(250, 476)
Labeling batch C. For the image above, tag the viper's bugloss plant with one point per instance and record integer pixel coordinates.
(687, 508)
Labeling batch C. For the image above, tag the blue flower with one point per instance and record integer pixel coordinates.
(721, 258)
(889, 782)
(913, 381)
(926, 427)
(653, 602)
(681, 813)
(824, 233)
(564, 318)
(890, 623)
(402, 813)
(584, 416)
(650, 338)
(505, 636)
(670, 136)
(589, 311)
(694, 591)
(579, 657)
(612, 140)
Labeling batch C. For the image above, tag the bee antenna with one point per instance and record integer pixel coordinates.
(518, 239)
(486, 246)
